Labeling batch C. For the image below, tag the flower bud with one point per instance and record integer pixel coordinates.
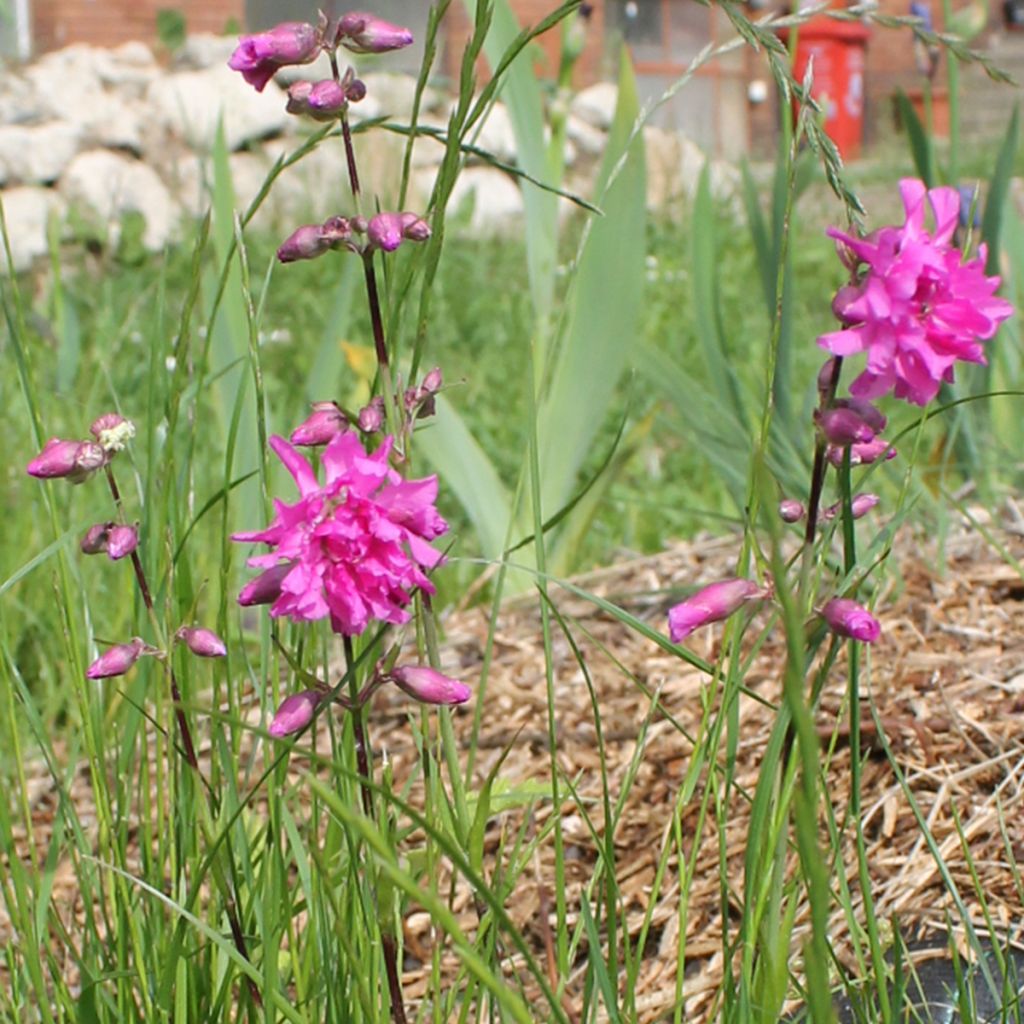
(843, 427)
(432, 382)
(862, 504)
(868, 412)
(95, 540)
(849, 619)
(364, 33)
(112, 431)
(415, 228)
(862, 454)
(265, 588)
(385, 231)
(259, 56)
(203, 642)
(355, 90)
(323, 423)
(711, 604)
(371, 417)
(970, 206)
(305, 243)
(295, 713)
(117, 660)
(298, 97)
(336, 231)
(428, 686)
(121, 541)
(327, 100)
(791, 510)
(57, 459)
(825, 378)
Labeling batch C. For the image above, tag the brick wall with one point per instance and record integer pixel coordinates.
(57, 23)
(530, 12)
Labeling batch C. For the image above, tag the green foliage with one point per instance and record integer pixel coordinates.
(171, 28)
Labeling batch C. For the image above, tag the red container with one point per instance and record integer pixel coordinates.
(838, 49)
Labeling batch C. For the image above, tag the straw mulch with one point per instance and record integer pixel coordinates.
(946, 682)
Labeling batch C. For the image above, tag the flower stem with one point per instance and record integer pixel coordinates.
(388, 945)
(187, 743)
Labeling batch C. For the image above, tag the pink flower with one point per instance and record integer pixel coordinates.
(364, 33)
(429, 686)
(711, 604)
(862, 454)
(259, 56)
(791, 510)
(849, 619)
(295, 713)
(918, 306)
(355, 548)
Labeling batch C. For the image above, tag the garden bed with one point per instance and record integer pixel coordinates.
(946, 685)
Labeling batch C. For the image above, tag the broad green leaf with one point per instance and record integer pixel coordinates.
(458, 457)
(602, 320)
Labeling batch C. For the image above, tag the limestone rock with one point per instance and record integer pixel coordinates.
(110, 185)
(19, 102)
(587, 139)
(28, 210)
(674, 166)
(596, 105)
(497, 203)
(204, 50)
(189, 104)
(37, 154)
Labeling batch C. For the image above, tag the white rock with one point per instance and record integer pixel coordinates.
(496, 136)
(110, 185)
(393, 94)
(19, 101)
(204, 50)
(106, 118)
(37, 154)
(28, 211)
(674, 167)
(585, 137)
(497, 203)
(189, 104)
(596, 104)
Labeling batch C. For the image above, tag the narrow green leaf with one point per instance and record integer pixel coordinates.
(920, 145)
(998, 189)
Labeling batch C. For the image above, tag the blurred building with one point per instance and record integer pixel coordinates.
(729, 106)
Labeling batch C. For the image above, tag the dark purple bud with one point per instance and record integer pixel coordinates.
(203, 642)
(265, 588)
(325, 421)
(791, 510)
(825, 378)
(969, 201)
(865, 410)
(364, 33)
(355, 91)
(327, 100)
(306, 243)
(122, 541)
(429, 686)
(298, 97)
(95, 540)
(843, 427)
(415, 228)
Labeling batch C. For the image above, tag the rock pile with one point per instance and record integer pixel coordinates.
(104, 133)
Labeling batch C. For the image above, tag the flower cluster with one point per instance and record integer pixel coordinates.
(352, 549)
(259, 57)
(383, 231)
(915, 305)
(76, 461)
